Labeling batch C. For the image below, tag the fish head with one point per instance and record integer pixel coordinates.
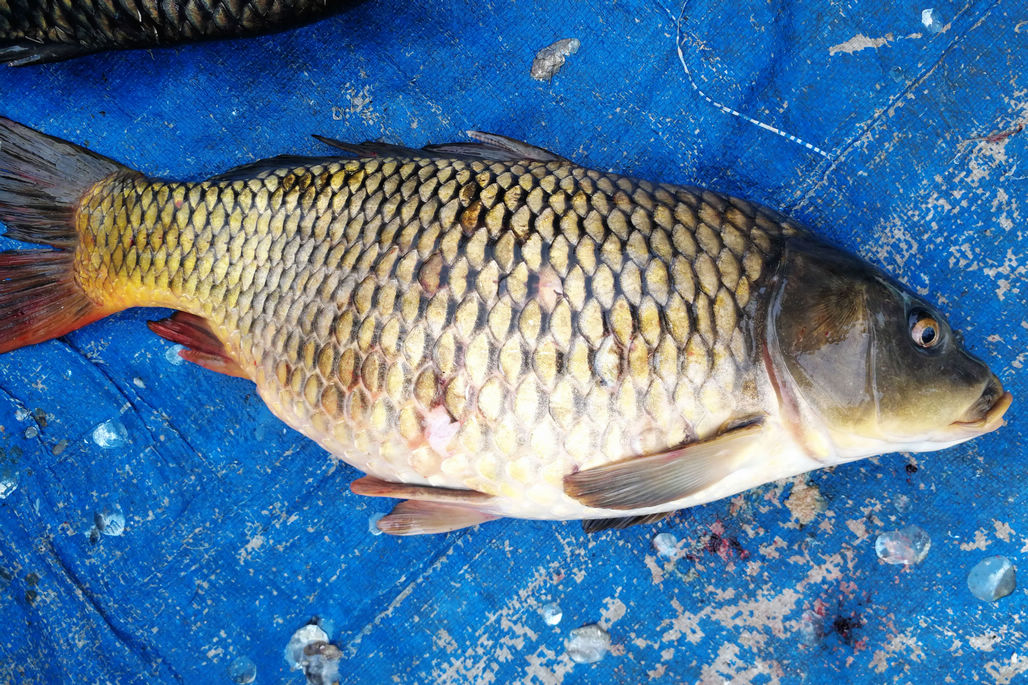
(876, 367)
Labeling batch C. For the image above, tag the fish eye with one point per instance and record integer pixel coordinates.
(924, 330)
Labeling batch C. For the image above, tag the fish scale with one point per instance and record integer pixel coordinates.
(558, 317)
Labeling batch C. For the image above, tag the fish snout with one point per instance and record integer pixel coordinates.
(986, 413)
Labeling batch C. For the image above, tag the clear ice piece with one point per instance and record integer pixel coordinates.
(9, 479)
(588, 644)
(992, 578)
(373, 523)
(306, 635)
(665, 545)
(320, 663)
(550, 59)
(111, 433)
(242, 670)
(551, 613)
(905, 546)
(172, 354)
(931, 21)
(110, 519)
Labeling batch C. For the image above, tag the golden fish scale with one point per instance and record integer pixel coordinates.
(559, 316)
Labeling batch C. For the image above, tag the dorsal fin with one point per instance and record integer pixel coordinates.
(489, 147)
(496, 148)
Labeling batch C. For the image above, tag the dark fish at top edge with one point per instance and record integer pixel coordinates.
(38, 31)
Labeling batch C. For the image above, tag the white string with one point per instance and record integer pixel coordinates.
(680, 39)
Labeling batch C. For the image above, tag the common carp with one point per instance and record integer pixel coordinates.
(34, 31)
(487, 329)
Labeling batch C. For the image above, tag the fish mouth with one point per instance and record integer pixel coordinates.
(986, 414)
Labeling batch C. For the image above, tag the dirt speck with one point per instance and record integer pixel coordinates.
(805, 501)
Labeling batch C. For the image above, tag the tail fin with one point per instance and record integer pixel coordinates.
(42, 180)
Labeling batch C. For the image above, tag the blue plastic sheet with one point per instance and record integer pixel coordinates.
(238, 530)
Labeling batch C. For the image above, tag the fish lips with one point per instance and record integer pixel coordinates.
(986, 414)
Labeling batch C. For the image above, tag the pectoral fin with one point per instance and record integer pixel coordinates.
(414, 517)
(656, 479)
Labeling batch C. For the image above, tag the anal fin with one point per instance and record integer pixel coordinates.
(599, 525)
(418, 517)
(656, 479)
(204, 347)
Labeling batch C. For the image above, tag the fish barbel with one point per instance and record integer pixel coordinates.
(35, 31)
(487, 329)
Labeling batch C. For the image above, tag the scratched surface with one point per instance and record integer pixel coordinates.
(238, 530)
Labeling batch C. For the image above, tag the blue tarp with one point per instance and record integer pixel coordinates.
(238, 530)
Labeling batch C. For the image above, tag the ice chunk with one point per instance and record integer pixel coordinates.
(992, 578)
(306, 635)
(588, 644)
(931, 21)
(550, 59)
(242, 670)
(22, 414)
(665, 545)
(172, 354)
(111, 433)
(9, 479)
(551, 613)
(320, 663)
(310, 651)
(109, 519)
(31, 432)
(373, 523)
(905, 546)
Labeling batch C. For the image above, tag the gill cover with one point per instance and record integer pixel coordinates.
(874, 364)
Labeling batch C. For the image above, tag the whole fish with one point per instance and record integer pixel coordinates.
(34, 31)
(487, 329)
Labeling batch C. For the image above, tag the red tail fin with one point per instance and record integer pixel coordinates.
(39, 298)
(42, 180)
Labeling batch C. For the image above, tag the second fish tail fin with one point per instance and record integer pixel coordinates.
(42, 182)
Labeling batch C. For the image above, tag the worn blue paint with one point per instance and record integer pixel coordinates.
(240, 530)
